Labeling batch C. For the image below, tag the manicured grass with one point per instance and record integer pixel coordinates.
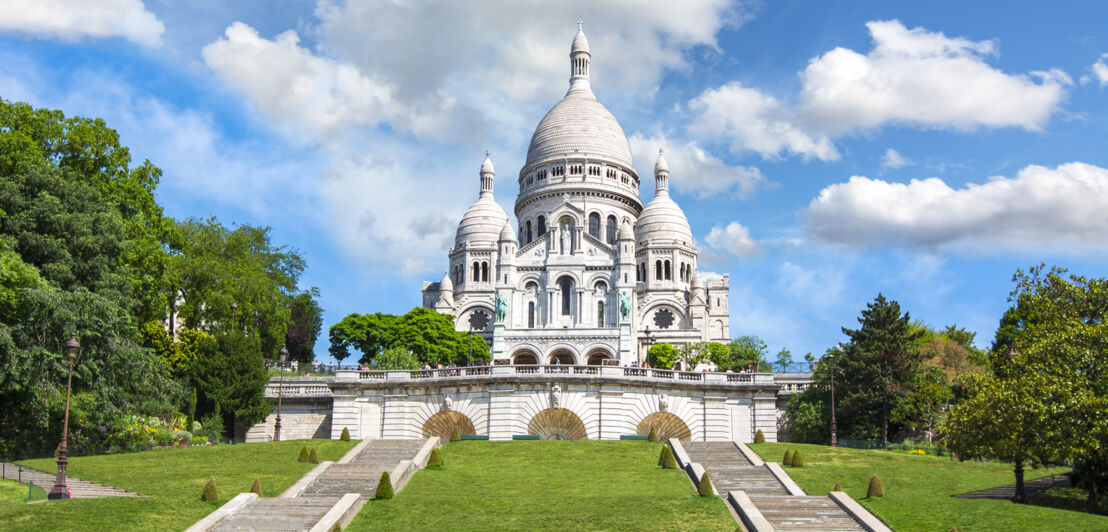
(16, 493)
(172, 479)
(548, 485)
(918, 489)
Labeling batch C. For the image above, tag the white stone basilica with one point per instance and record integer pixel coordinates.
(590, 276)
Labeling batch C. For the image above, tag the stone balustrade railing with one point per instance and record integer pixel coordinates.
(646, 374)
(297, 390)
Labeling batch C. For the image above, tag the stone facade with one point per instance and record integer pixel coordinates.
(589, 274)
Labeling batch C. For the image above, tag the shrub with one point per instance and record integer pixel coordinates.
(875, 488)
(456, 435)
(345, 434)
(209, 493)
(759, 437)
(837, 487)
(303, 454)
(788, 460)
(336, 528)
(313, 456)
(798, 461)
(384, 487)
(199, 440)
(668, 460)
(257, 487)
(653, 436)
(435, 460)
(704, 489)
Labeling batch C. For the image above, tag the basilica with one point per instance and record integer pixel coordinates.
(588, 275)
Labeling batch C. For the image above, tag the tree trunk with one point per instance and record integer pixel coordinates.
(1020, 497)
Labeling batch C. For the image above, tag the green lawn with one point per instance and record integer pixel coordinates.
(548, 485)
(918, 490)
(16, 493)
(172, 479)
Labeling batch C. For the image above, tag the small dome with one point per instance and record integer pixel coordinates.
(507, 234)
(580, 43)
(446, 285)
(661, 166)
(663, 222)
(486, 167)
(697, 281)
(626, 233)
(481, 223)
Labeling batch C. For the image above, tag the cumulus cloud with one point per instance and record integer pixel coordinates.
(694, 170)
(912, 77)
(734, 239)
(893, 160)
(1063, 208)
(1100, 71)
(74, 19)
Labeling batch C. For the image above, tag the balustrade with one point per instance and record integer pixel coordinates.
(583, 371)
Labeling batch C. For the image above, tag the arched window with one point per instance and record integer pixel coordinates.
(528, 233)
(485, 272)
(567, 294)
(599, 313)
(594, 225)
(669, 276)
(611, 229)
(531, 314)
(658, 270)
(476, 271)
(542, 226)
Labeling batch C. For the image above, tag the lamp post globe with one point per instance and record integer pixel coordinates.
(282, 356)
(71, 350)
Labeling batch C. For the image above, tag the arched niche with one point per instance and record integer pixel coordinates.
(442, 425)
(557, 424)
(667, 425)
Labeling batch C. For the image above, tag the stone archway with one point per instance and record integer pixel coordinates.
(557, 424)
(596, 357)
(667, 425)
(525, 357)
(442, 425)
(563, 356)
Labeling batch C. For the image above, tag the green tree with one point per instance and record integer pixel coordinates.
(692, 354)
(231, 379)
(746, 350)
(396, 358)
(661, 356)
(784, 359)
(305, 322)
(429, 335)
(925, 404)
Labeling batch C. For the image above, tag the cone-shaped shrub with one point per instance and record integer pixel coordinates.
(798, 461)
(313, 456)
(384, 487)
(704, 489)
(303, 454)
(336, 528)
(788, 460)
(345, 434)
(653, 436)
(456, 435)
(759, 437)
(209, 493)
(668, 460)
(875, 488)
(837, 487)
(257, 487)
(435, 460)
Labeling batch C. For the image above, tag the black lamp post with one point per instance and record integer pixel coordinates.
(72, 350)
(651, 338)
(834, 427)
(282, 355)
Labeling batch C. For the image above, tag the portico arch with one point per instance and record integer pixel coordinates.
(563, 356)
(525, 356)
(443, 423)
(597, 356)
(667, 425)
(557, 424)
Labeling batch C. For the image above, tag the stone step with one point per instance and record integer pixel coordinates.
(804, 513)
(278, 515)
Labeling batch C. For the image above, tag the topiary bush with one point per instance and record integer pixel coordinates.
(435, 460)
(759, 437)
(456, 435)
(653, 436)
(875, 488)
(313, 456)
(837, 487)
(257, 487)
(668, 460)
(345, 434)
(303, 454)
(209, 493)
(336, 528)
(704, 489)
(798, 461)
(788, 460)
(384, 487)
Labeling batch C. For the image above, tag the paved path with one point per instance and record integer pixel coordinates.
(1029, 487)
(78, 489)
(732, 471)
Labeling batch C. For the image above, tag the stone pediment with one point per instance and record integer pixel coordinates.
(594, 247)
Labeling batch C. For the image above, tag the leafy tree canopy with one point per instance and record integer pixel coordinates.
(662, 356)
(429, 335)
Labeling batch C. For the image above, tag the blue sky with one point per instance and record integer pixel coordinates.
(823, 151)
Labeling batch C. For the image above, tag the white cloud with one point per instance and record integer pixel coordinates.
(1064, 208)
(893, 159)
(1100, 71)
(734, 239)
(74, 19)
(820, 287)
(911, 77)
(694, 170)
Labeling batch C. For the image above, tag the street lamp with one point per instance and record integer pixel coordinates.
(282, 355)
(651, 338)
(72, 350)
(834, 427)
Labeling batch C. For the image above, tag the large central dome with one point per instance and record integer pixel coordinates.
(579, 125)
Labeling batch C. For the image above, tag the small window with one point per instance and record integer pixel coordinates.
(531, 314)
(542, 225)
(668, 276)
(599, 313)
(527, 232)
(594, 225)
(567, 294)
(558, 171)
(658, 270)
(485, 272)
(611, 229)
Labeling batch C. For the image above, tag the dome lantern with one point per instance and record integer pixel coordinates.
(487, 175)
(579, 61)
(661, 174)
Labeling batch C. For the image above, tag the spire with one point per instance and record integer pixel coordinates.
(661, 174)
(579, 57)
(487, 175)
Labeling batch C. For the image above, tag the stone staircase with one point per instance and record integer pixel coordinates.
(363, 472)
(78, 489)
(276, 514)
(732, 471)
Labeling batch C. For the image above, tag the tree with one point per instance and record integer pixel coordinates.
(661, 356)
(429, 335)
(231, 379)
(881, 351)
(305, 322)
(746, 350)
(692, 354)
(396, 358)
(925, 403)
(784, 359)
